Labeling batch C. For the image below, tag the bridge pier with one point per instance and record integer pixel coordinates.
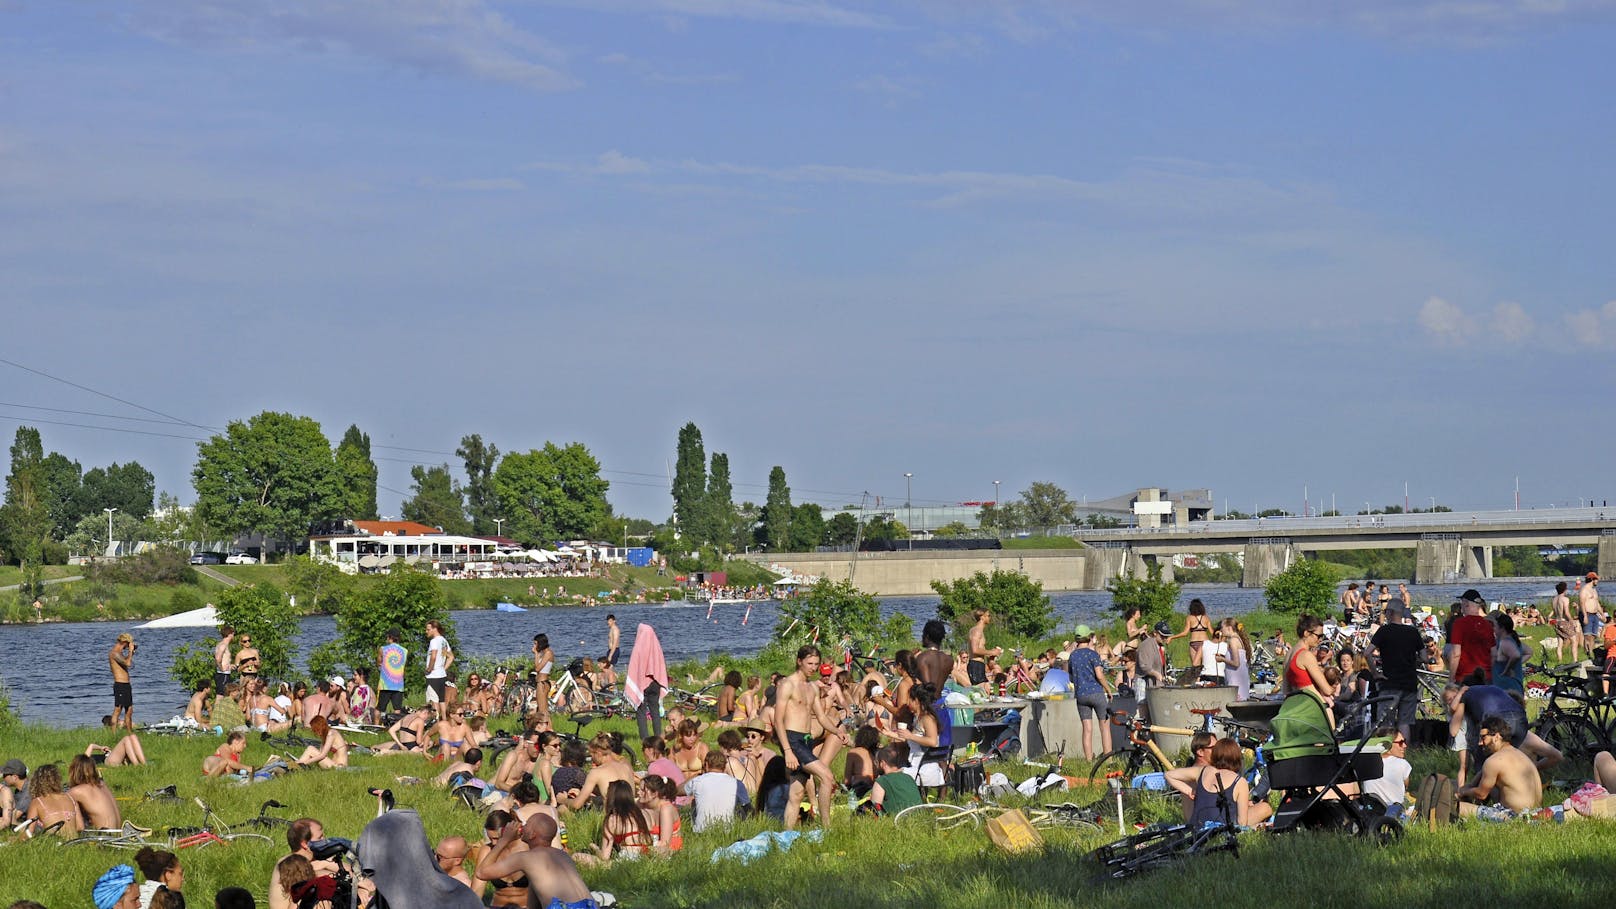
(1264, 559)
(1437, 559)
(1607, 555)
(1103, 564)
(1139, 565)
(1478, 561)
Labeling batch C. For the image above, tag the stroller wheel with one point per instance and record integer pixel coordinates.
(1384, 831)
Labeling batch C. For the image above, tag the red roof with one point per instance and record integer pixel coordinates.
(396, 528)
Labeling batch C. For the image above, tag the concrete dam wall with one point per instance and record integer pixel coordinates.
(911, 573)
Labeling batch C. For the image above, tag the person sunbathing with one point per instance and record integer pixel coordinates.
(331, 753)
(1507, 775)
(127, 751)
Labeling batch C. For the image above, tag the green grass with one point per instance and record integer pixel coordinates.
(12, 574)
(862, 862)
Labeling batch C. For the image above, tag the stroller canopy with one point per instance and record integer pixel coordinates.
(1301, 728)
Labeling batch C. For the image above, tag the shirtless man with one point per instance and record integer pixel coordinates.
(90, 793)
(1350, 598)
(197, 708)
(608, 663)
(318, 703)
(1593, 613)
(1566, 627)
(451, 856)
(552, 877)
(1509, 771)
(223, 662)
(977, 646)
(517, 762)
(120, 658)
(796, 703)
(933, 665)
(471, 764)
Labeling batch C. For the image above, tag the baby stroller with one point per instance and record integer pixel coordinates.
(1312, 768)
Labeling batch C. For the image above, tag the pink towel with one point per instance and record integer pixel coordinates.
(645, 665)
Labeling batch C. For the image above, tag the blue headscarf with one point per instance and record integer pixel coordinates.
(109, 889)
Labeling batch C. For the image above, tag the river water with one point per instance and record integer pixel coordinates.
(57, 672)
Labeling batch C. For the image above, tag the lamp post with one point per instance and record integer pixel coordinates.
(499, 527)
(109, 512)
(909, 507)
(995, 493)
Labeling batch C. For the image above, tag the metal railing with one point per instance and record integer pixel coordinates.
(1446, 519)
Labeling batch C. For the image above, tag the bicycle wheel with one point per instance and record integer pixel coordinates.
(1067, 816)
(1575, 737)
(250, 838)
(1125, 764)
(938, 816)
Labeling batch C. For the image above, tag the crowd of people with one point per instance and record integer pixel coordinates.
(772, 746)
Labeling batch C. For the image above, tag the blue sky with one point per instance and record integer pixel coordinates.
(1177, 243)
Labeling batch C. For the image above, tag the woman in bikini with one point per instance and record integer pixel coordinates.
(611, 766)
(51, 805)
(692, 751)
(127, 751)
(1197, 626)
(1302, 669)
(858, 773)
(409, 735)
(625, 831)
(728, 697)
(507, 891)
(658, 795)
(452, 735)
(1216, 792)
(332, 751)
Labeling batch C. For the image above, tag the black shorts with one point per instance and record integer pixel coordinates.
(976, 671)
(435, 690)
(801, 747)
(220, 680)
(122, 695)
(610, 659)
(393, 698)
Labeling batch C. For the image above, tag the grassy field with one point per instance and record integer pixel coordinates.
(11, 575)
(861, 862)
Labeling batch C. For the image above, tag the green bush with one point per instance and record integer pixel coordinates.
(183, 600)
(405, 598)
(1306, 586)
(1020, 608)
(1154, 597)
(158, 565)
(260, 611)
(832, 611)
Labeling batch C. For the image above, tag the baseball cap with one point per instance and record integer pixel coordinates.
(337, 680)
(1474, 596)
(14, 767)
(826, 670)
(1163, 628)
(1593, 575)
(1083, 631)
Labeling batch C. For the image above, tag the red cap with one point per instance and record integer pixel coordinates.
(827, 670)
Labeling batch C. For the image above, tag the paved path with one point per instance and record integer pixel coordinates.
(47, 581)
(219, 576)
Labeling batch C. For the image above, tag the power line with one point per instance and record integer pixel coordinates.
(103, 394)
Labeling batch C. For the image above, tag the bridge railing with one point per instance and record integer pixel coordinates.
(1269, 526)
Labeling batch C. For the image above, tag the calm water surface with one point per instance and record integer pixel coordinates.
(57, 673)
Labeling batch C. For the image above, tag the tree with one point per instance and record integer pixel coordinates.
(126, 487)
(551, 493)
(841, 529)
(1020, 608)
(259, 611)
(881, 528)
(89, 537)
(1306, 586)
(952, 529)
(830, 611)
(438, 500)
(807, 527)
(406, 598)
(777, 511)
(717, 517)
(25, 521)
(274, 474)
(317, 585)
(1154, 597)
(62, 494)
(1046, 505)
(689, 480)
(358, 475)
(481, 499)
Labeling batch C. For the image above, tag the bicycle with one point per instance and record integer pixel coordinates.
(213, 830)
(128, 836)
(1142, 750)
(1160, 846)
(1570, 729)
(944, 816)
(1432, 706)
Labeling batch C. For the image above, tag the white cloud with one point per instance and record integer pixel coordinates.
(460, 37)
(793, 12)
(1447, 321)
(1593, 327)
(615, 162)
(1511, 323)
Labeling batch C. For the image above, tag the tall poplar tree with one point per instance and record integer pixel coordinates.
(777, 511)
(358, 474)
(689, 481)
(481, 501)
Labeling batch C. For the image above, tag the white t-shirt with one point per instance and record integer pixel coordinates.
(278, 713)
(1210, 651)
(1392, 787)
(716, 795)
(439, 646)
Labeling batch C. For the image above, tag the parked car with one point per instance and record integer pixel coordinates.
(208, 558)
(240, 558)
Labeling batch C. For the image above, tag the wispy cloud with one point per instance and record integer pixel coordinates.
(1507, 324)
(650, 73)
(485, 185)
(1593, 327)
(793, 12)
(458, 37)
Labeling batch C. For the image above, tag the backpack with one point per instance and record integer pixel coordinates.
(1436, 801)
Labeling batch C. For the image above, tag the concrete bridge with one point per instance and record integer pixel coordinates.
(1449, 546)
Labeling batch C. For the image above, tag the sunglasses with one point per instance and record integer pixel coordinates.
(1399, 741)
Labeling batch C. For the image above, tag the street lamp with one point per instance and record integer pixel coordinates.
(909, 508)
(109, 512)
(499, 527)
(995, 493)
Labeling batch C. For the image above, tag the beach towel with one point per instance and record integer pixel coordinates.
(395, 853)
(645, 665)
